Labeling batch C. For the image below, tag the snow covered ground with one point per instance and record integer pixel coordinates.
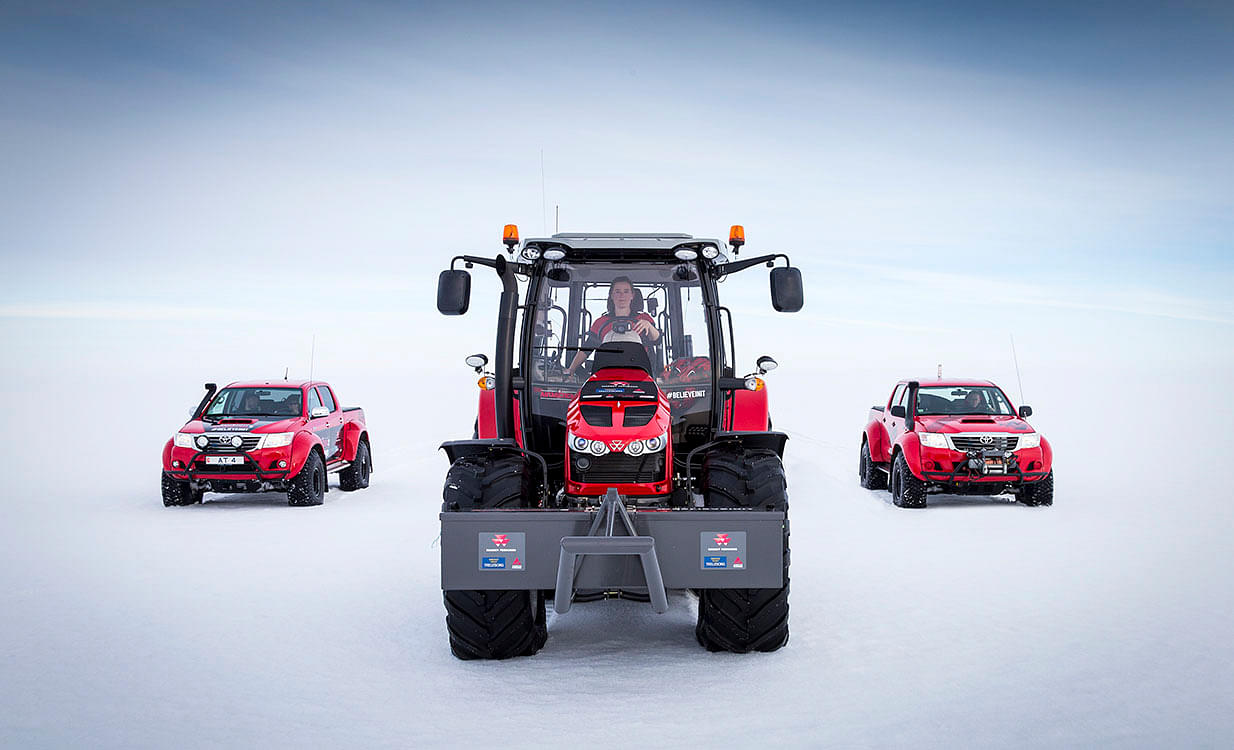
(1102, 621)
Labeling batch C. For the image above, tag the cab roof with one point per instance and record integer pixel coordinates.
(945, 382)
(664, 241)
(274, 383)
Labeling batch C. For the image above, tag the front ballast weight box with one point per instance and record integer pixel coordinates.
(610, 548)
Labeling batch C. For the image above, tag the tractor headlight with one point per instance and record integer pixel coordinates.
(597, 448)
(184, 440)
(933, 439)
(579, 444)
(636, 447)
(655, 444)
(1031, 440)
(276, 439)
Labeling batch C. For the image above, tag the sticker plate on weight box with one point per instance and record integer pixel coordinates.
(723, 550)
(501, 550)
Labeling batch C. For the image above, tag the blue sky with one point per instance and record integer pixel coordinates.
(174, 161)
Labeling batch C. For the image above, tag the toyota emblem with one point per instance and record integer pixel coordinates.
(987, 439)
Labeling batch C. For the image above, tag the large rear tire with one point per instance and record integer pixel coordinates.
(907, 491)
(355, 477)
(309, 486)
(744, 620)
(1040, 492)
(179, 492)
(492, 624)
(872, 477)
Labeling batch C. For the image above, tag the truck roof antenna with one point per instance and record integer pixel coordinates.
(285, 371)
(940, 371)
(1016, 360)
(312, 357)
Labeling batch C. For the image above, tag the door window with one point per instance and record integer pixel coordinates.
(327, 399)
(314, 400)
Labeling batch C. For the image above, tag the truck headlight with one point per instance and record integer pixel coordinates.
(184, 440)
(1031, 440)
(276, 439)
(933, 439)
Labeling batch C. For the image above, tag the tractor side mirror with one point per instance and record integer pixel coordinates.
(897, 411)
(453, 292)
(1026, 412)
(786, 291)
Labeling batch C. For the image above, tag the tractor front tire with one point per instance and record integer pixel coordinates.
(907, 491)
(309, 486)
(492, 624)
(355, 477)
(1040, 492)
(872, 477)
(179, 492)
(744, 620)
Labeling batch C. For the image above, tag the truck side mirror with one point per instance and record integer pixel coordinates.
(897, 411)
(453, 292)
(786, 291)
(318, 412)
(1026, 412)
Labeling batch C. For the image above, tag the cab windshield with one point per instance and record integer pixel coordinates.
(980, 400)
(579, 307)
(255, 402)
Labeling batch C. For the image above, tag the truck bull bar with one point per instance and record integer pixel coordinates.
(225, 476)
(962, 473)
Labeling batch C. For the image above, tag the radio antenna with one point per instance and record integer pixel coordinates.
(940, 371)
(1016, 360)
(285, 371)
(312, 357)
(543, 199)
(557, 218)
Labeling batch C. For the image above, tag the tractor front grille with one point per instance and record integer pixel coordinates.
(618, 468)
(638, 416)
(975, 442)
(596, 416)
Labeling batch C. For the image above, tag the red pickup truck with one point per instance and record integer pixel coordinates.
(267, 436)
(957, 437)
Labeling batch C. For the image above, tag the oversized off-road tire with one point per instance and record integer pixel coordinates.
(872, 477)
(179, 492)
(492, 624)
(309, 486)
(495, 624)
(1040, 492)
(744, 620)
(485, 482)
(907, 491)
(355, 477)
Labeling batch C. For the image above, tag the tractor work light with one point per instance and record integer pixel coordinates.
(685, 253)
(531, 252)
(554, 253)
(710, 251)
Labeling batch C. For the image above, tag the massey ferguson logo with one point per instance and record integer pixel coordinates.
(617, 384)
(987, 439)
(685, 394)
(617, 445)
(721, 539)
(501, 540)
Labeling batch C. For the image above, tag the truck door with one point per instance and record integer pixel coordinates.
(894, 424)
(332, 433)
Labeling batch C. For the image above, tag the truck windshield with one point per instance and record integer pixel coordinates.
(982, 400)
(581, 305)
(255, 402)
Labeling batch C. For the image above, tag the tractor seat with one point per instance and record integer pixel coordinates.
(631, 355)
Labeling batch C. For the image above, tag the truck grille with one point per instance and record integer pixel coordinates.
(222, 443)
(973, 442)
(620, 468)
(638, 416)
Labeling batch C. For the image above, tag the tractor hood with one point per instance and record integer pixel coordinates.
(618, 405)
(972, 423)
(256, 425)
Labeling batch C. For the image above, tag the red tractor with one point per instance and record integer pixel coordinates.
(616, 452)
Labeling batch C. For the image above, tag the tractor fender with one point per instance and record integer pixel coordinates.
(747, 411)
(910, 445)
(756, 439)
(486, 417)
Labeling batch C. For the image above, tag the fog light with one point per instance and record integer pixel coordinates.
(282, 464)
(202, 442)
(236, 441)
(177, 465)
(583, 464)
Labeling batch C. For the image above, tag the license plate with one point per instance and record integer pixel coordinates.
(225, 460)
